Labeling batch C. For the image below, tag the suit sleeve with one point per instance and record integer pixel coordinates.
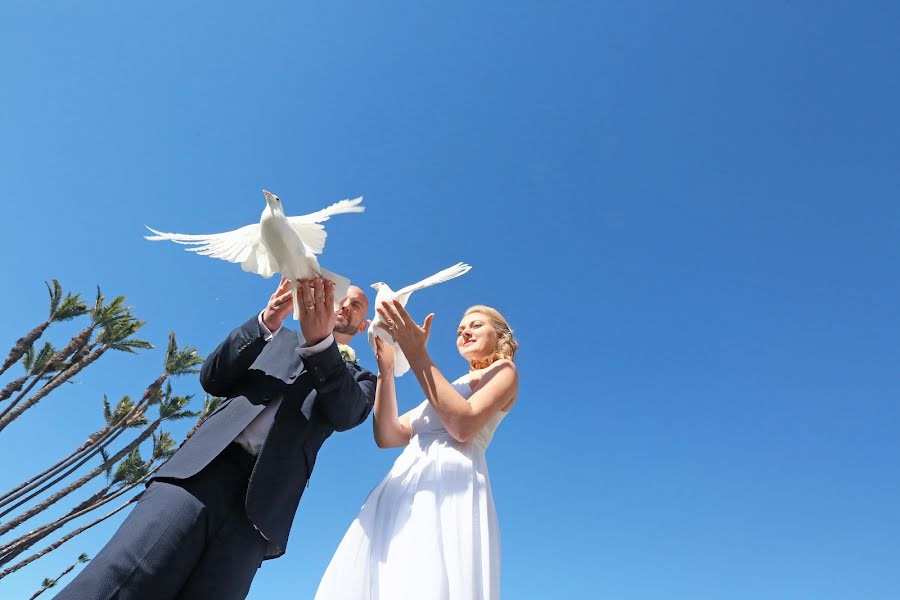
(223, 370)
(345, 393)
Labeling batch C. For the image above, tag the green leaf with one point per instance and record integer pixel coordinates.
(181, 361)
(55, 295)
(131, 468)
(28, 359)
(107, 468)
(172, 408)
(210, 404)
(163, 446)
(43, 358)
(64, 309)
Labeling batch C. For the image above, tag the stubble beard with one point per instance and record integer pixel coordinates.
(349, 329)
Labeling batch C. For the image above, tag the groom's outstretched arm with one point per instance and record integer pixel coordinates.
(345, 393)
(226, 366)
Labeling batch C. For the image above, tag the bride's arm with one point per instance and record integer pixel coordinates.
(390, 430)
(462, 418)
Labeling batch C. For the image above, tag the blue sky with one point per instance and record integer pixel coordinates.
(688, 212)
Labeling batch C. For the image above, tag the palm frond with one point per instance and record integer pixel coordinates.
(181, 361)
(28, 359)
(172, 408)
(43, 358)
(56, 293)
(131, 346)
(64, 309)
(107, 468)
(107, 412)
(131, 468)
(163, 446)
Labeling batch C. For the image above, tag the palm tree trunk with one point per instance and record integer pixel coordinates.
(12, 415)
(75, 344)
(48, 485)
(85, 451)
(7, 527)
(37, 479)
(55, 580)
(13, 386)
(22, 543)
(63, 540)
(23, 393)
(23, 344)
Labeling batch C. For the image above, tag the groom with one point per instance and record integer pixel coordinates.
(226, 500)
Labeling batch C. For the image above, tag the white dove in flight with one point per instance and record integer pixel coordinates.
(277, 244)
(386, 294)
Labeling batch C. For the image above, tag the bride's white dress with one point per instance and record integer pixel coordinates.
(429, 530)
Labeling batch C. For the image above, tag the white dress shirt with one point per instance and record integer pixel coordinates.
(254, 435)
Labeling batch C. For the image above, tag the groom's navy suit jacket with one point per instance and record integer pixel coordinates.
(320, 394)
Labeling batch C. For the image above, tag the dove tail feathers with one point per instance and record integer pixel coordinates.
(341, 285)
(296, 301)
(439, 277)
(401, 365)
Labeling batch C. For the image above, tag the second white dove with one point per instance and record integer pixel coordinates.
(386, 294)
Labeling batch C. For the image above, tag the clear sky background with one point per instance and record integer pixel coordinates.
(687, 210)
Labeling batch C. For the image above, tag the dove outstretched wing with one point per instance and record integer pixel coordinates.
(239, 246)
(439, 277)
(310, 229)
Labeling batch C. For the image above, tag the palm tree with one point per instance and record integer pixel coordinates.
(117, 326)
(130, 472)
(61, 309)
(210, 404)
(178, 362)
(49, 583)
(112, 326)
(125, 416)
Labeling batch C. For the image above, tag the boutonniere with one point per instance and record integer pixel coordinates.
(347, 353)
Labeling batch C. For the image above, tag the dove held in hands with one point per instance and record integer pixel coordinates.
(386, 294)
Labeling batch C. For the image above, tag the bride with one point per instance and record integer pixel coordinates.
(429, 531)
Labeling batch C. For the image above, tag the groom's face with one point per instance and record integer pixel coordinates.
(351, 314)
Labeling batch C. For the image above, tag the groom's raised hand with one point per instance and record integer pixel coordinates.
(317, 315)
(279, 306)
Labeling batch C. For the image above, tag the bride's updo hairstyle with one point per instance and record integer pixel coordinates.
(506, 343)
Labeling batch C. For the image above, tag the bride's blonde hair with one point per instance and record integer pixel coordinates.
(506, 343)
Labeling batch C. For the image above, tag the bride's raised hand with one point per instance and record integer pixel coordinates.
(411, 337)
(384, 356)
